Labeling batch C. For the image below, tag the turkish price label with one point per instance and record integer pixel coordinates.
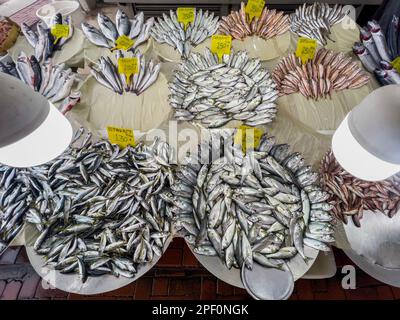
(396, 64)
(123, 43)
(120, 136)
(60, 31)
(128, 67)
(254, 8)
(248, 137)
(306, 49)
(185, 15)
(220, 45)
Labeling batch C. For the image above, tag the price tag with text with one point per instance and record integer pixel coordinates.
(306, 49)
(186, 15)
(254, 8)
(248, 137)
(123, 43)
(60, 31)
(120, 136)
(220, 45)
(396, 64)
(128, 67)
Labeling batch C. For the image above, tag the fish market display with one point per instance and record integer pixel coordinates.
(212, 93)
(264, 206)
(318, 78)
(14, 199)
(315, 21)
(96, 207)
(106, 73)
(106, 36)
(376, 51)
(168, 30)
(43, 41)
(352, 196)
(270, 24)
(53, 81)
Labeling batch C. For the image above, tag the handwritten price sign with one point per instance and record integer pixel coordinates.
(248, 137)
(396, 64)
(186, 15)
(59, 31)
(221, 45)
(254, 8)
(128, 67)
(306, 49)
(120, 136)
(123, 43)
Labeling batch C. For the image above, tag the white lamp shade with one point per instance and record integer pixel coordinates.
(32, 130)
(367, 142)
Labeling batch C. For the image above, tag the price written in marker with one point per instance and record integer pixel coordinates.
(220, 45)
(120, 136)
(254, 8)
(186, 15)
(396, 64)
(248, 137)
(306, 49)
(123, 43)
(128, 67)
(59, 31)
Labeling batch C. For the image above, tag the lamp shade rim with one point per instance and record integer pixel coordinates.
(45, 143)
(358, 161)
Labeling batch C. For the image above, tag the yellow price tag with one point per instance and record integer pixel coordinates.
(128, 66)
(59, 31)
(123, 43)
(254, 8)
(306, 49)
(221, 45)
(396, 64)
(120, 136)
(186, 15)
(248, 137)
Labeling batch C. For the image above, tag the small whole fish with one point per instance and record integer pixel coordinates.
(214, 93)
(318, 78)
(168, 30)
(271, 23)
(265, 215)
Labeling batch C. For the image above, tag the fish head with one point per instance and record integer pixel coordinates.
(359, 48)
(381, 73)
(365, 34)
(386, 65)
(373, 26)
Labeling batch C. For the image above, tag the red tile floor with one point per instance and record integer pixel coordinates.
(178, 275)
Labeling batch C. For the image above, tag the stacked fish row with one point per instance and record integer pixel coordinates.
(14, 198)
(214, 93)
(376, 51)
(271, 23)
(318, 78)
(97, 208)
(264, 206)
(52, 81)
(136, 29)
(351, 196)
(168, 30)
(106, 73)
(315, 21)
(43, 41)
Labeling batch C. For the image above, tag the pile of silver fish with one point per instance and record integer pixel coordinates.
(136, 29)
(106, 73)
(168, 30)
(43, 41)
(319, 77)
(315, 21)
(14, 198)
(263, 206)
(376, 51)
(213, 93)
(97, 207)
(351, 196)
(51, 80)
(271, 23)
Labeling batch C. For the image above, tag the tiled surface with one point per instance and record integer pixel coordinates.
(178, 275)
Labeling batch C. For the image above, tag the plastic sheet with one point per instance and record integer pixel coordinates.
(71, 52)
